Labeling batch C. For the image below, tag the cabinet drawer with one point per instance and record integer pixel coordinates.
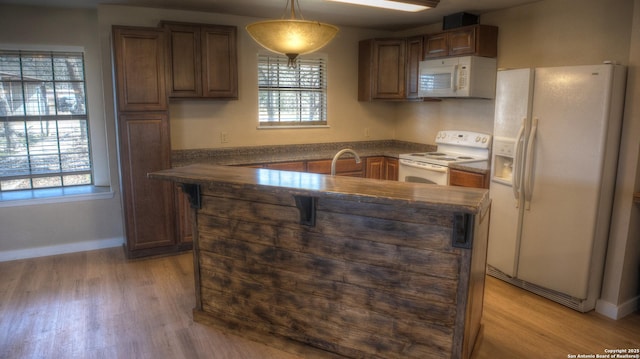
(298, 166)
(467, 179)
(344, 167)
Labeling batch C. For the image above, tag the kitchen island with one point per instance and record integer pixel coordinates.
(337, 266)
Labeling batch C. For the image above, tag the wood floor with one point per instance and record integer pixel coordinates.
(97, 304)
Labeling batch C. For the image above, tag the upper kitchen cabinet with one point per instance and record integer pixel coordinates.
(388, 68)
(139, 56)
(202, 61)
(381, 69)
(415, 50)
(479, 40)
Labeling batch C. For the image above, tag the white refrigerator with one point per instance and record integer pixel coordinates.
(554, 162)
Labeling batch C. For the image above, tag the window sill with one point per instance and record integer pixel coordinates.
(54, 195)
(276, 127)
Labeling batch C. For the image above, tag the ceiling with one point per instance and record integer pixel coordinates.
(320, 10)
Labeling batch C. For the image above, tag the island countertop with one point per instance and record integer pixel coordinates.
(468, 200)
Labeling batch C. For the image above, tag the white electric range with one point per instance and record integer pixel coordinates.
(453, 147)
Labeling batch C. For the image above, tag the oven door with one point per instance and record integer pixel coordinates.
(420, 172)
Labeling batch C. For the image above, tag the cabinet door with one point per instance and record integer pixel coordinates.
(435, 45)
(344, 167)
(389, 69)
(219, 62)
(375, 168)
(184, 78)
(391, 169)
(414, 56)
(148, 204)
(139, 55)
(462, 42)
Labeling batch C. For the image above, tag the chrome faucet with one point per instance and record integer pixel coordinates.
(340, 153)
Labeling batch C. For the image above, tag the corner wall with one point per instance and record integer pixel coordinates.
(49, 228)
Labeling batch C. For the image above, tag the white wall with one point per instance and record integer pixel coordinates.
(71, 225)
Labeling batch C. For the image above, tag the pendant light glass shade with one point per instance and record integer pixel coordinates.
(292, 37)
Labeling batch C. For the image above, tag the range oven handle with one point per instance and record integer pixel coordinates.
(428, 167)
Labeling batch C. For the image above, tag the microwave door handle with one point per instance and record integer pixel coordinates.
(454, 79)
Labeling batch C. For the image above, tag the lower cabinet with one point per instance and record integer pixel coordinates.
(344, 167)
(468, 179)
(385, 168)
(148, 205)
(296, 166)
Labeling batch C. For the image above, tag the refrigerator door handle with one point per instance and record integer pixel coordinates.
(516, 185)
(528, 175)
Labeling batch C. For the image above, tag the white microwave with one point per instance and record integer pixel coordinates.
(467, 76)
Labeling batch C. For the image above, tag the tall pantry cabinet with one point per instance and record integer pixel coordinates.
(143, 140)
(151, 66)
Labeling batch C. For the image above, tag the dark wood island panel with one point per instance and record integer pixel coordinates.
(353, 267)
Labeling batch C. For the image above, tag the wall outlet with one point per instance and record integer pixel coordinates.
(223, 137)
(367, 132)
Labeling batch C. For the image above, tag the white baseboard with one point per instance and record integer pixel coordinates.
(617, 311)
(60, 249)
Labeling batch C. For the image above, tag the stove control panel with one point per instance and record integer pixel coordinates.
(464, 138)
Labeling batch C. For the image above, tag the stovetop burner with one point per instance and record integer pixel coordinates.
(455, 147)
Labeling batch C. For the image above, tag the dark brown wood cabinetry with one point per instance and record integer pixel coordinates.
(143, 139)
(468, 179)
(385, 168)
(148, 205)
(381, 69)
(379, 167)
(415, 50)
(202, 61)
(344, 167)
(480, 40)
(139, 56)
(297, 166)
(151, 65)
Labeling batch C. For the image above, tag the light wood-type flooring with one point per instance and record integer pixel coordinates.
(98, 304)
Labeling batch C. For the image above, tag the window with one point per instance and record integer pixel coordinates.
(292, 96)
(44, 128)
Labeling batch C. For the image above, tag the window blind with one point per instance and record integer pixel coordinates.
(292, 96)
(44, 128)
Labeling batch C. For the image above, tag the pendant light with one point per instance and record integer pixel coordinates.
(292, 37)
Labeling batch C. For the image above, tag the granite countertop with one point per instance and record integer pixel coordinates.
(287, 153)
(468, 200)
(250, 155)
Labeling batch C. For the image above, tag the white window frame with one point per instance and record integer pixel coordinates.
(39, 193)
(297, 92)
